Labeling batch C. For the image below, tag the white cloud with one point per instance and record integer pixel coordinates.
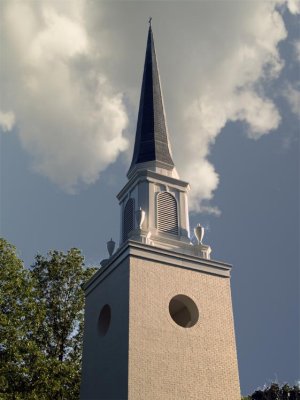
(7, 121)
(292, 95)
(70, 117)
(66, 60)
(293, 6)
(230, 88)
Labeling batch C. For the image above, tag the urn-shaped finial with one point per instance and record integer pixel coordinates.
(140, 216)
(199, 233)
(110, 247)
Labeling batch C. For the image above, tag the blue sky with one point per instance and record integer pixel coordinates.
(70, 83)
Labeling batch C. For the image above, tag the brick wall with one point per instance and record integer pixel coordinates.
(169, 362)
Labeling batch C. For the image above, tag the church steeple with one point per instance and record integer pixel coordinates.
(154, 201)
(151, 141)
(158, 314)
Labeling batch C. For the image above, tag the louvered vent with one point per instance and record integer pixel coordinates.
(128, 221)
(167, 220)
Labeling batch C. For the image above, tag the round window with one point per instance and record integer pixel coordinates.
(104, 320)
(183, 311)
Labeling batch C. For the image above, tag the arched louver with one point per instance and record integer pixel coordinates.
(167, 219)
(128, 219)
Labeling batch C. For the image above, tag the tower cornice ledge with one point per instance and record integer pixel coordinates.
(155, 177)
(162, 256)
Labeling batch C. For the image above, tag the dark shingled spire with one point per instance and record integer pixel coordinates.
(151, 140)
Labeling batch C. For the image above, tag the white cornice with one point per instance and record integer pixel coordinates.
(151, 176)
(162, 256)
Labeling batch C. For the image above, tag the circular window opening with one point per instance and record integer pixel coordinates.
(183, 311)
(104, 320)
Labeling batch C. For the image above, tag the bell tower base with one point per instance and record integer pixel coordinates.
(145, 352)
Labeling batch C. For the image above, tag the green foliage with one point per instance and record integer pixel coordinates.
(41, 325)
(58, 280)
(41, 328)
(19, 319)
(275, 392)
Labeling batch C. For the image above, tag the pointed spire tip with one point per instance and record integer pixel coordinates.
(151, 140)
(150, 20)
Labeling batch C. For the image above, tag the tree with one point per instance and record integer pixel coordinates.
(41, 324)
(275, 392)
(58, 282)
(19, 319)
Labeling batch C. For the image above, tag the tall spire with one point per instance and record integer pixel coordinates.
(151, 140)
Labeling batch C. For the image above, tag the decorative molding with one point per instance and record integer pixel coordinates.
(167, 257)
(154, 177)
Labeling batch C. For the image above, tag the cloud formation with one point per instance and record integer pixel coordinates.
(70, 117)
(7, 120)
(233, 90)
(292, 95)
(293, 6)
(65, 62)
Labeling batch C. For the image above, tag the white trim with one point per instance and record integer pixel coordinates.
(168, 257)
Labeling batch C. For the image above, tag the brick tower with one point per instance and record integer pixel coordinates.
(158, 316)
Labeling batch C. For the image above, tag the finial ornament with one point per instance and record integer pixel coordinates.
(140, 216)
(150, 19)
(199, 233)
(110, 247)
